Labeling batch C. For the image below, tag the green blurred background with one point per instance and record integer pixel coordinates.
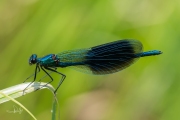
(148, 90)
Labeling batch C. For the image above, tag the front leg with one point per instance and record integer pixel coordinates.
(37, 68)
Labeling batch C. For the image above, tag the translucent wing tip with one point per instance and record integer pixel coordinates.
(136, 45)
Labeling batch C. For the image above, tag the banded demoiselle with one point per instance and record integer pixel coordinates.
(99, 60)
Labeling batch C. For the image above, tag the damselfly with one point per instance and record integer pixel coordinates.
(99, 60)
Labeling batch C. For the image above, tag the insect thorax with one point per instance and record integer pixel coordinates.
(49, 61)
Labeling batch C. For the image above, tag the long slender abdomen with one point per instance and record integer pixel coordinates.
(149, 53)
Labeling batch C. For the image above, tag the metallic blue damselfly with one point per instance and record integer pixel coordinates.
(99, 60)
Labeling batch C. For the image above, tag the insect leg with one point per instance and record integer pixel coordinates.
(61, 80)
(46, 75)
(32, 75)
(37, 68)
